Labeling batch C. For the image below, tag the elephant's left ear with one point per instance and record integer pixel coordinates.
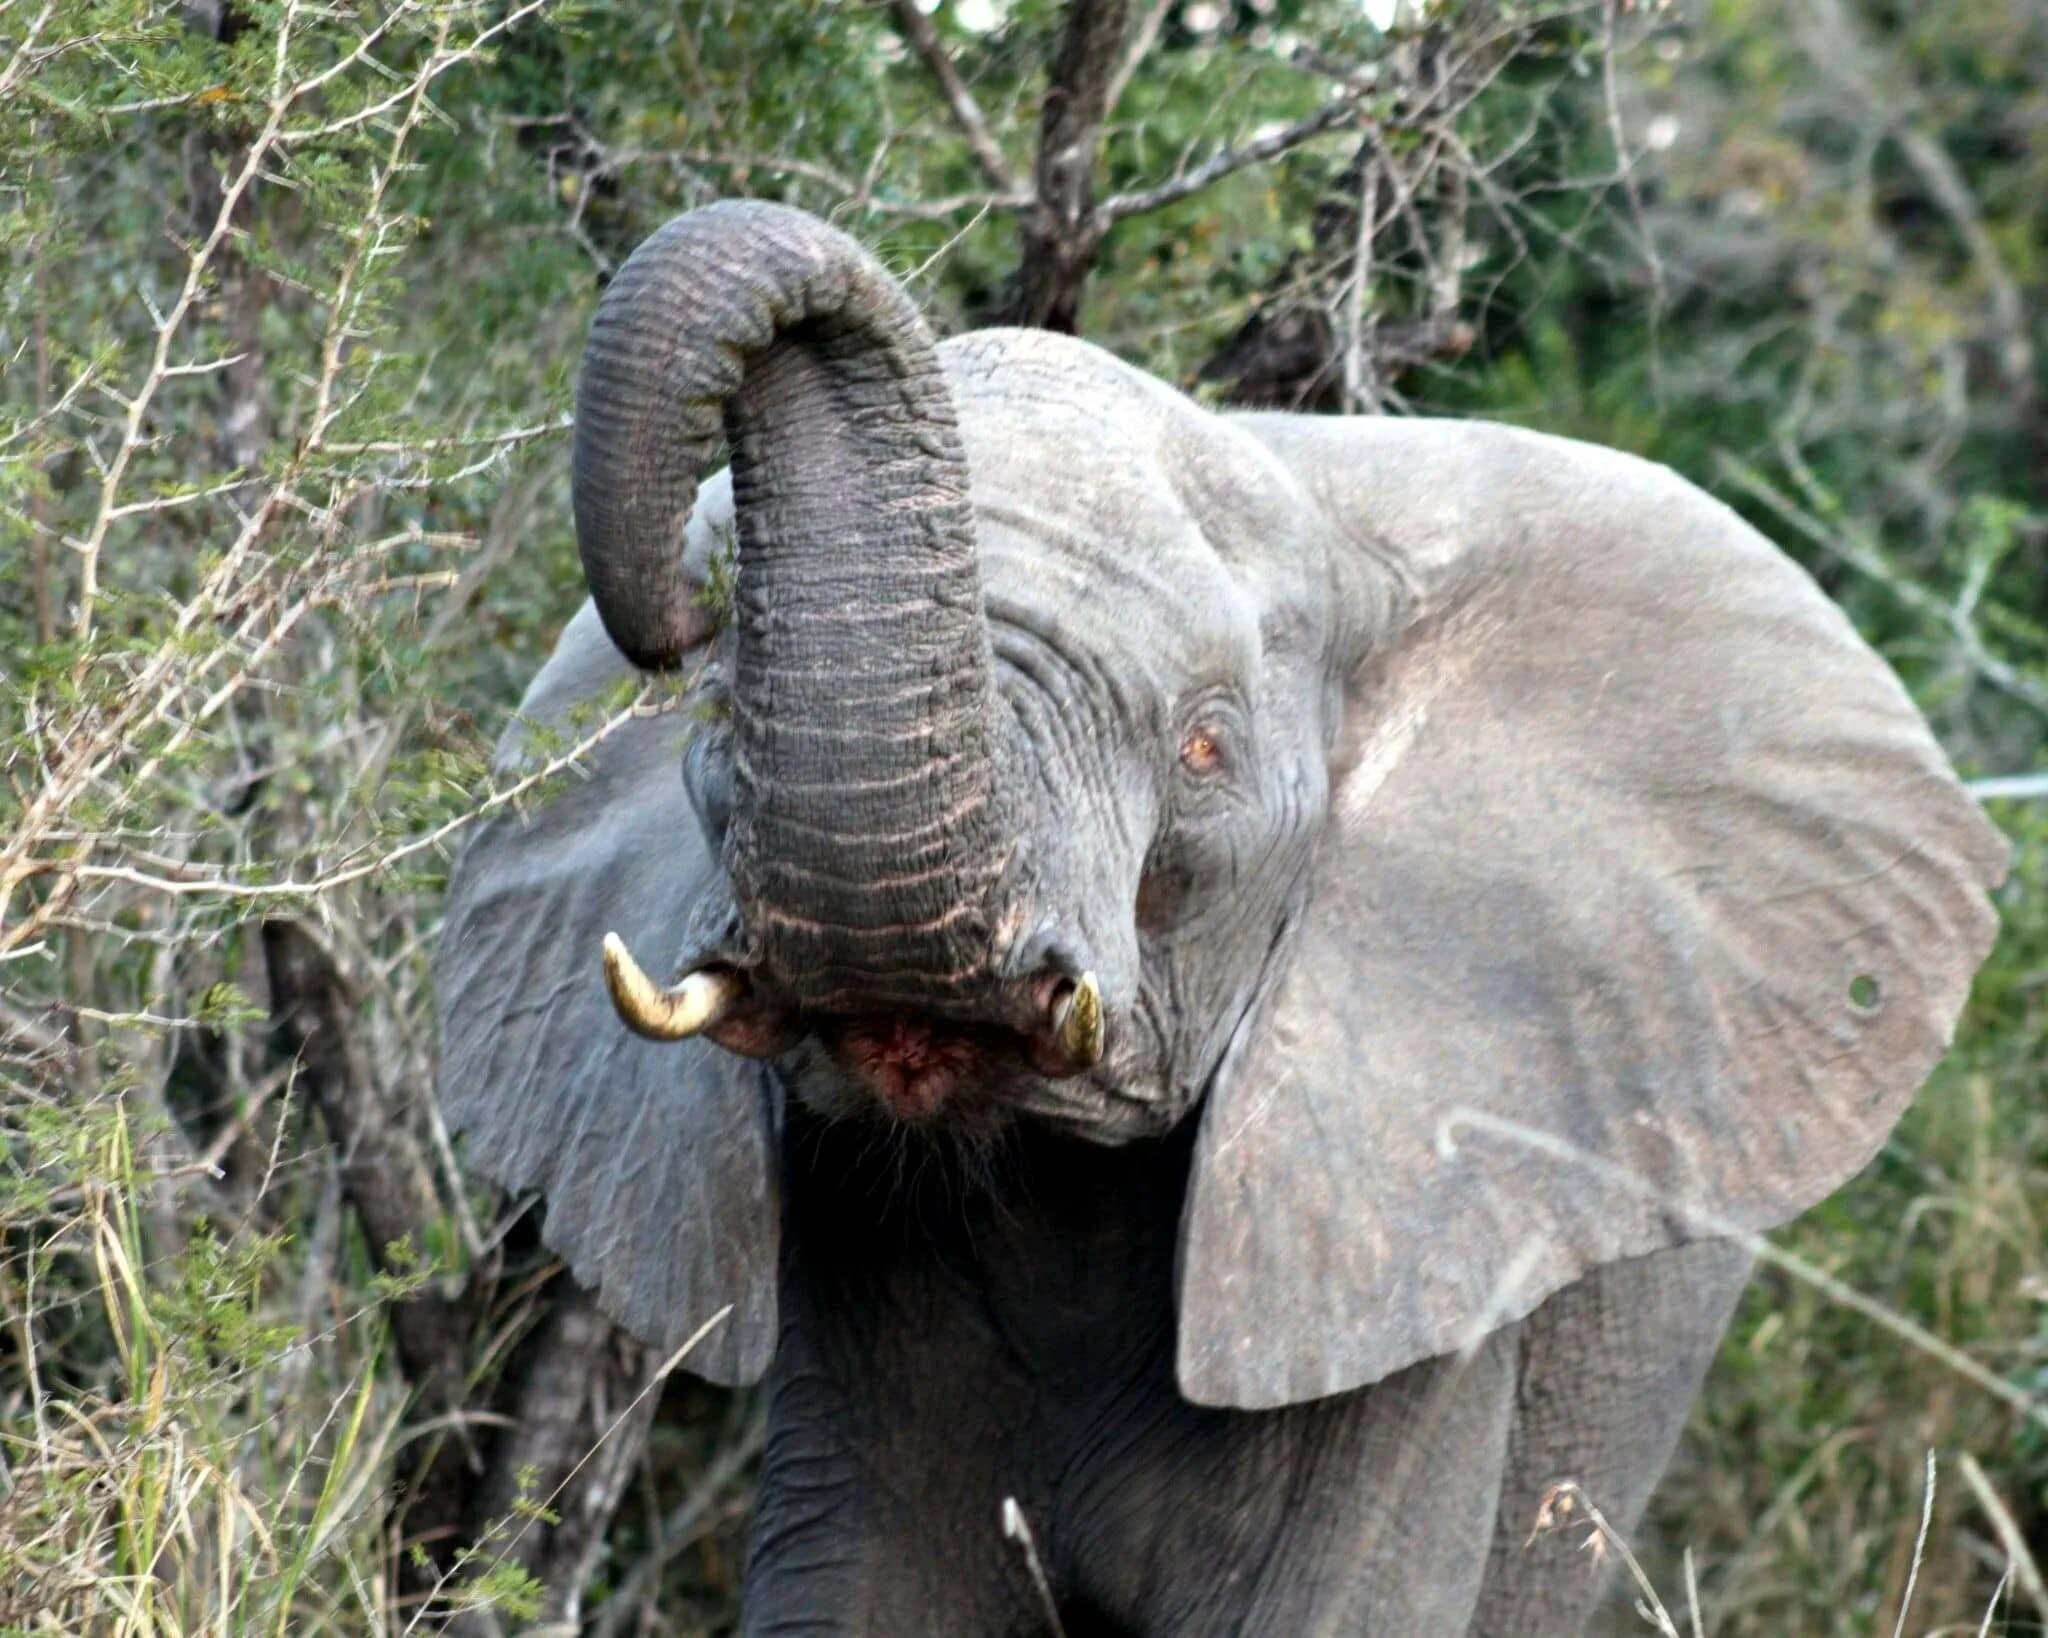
(656, 1159)
(1644, 904)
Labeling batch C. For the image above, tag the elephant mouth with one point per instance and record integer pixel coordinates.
(915, 1064)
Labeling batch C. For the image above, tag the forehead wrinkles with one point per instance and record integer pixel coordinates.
(1137, 588)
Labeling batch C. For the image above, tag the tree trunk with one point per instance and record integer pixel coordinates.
(1062, 232)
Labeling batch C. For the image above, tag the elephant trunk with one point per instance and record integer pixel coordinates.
(864, 848)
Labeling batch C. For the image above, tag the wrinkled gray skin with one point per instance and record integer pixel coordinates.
(1509, 883)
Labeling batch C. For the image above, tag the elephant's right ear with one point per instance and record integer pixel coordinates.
(655, 1158)
(1644, 904)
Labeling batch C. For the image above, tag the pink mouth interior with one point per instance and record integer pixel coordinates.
(912, 1064)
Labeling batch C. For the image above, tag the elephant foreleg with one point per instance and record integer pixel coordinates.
(1606, 1372)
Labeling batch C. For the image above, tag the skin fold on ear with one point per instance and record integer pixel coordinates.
(1645, 903)
(654, 1156)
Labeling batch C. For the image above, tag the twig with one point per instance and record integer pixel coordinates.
(924, 40)
(679, 1527)
(196, 265)
(1625, 167)
(1338, 111)
(1710, 1222)
(1138, 48)
(2021, 1565)
(1865, 556)
(438, 64)
(201, 883)
(1919, 1549)
(2012, 788)
(858, 194)
(103, 735)
(1018, 1529)
(459, 440)
(25, 54)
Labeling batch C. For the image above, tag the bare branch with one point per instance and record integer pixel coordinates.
(1844, 542)
(2009, 788)
(1624, 161)
(1337, 112)
(855, 193)
(203, 882)
(24, 56)
(1139, 47)
(196, 267)
(459, 440)
(924, 40)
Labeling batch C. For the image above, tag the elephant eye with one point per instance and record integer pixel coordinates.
(1201, 753)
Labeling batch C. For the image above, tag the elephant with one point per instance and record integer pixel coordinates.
(1237, 986)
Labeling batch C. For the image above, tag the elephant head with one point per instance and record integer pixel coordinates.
(1511, 859)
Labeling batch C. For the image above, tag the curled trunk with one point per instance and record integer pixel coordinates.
(863, 849)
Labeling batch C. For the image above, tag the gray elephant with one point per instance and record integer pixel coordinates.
(1240, 980)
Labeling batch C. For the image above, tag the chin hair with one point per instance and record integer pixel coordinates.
(956, 1152)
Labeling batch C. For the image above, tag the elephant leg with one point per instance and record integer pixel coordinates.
(877, 1538)
(1607, 1370)
(890, 1449)
(1405, 1556)
(1367, 1512)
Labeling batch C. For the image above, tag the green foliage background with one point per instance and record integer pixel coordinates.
(1819, 294)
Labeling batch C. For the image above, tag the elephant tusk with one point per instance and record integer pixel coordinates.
(1078, 1021)
(675, 1014)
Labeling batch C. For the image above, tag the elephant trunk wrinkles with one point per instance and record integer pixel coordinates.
(864, 849)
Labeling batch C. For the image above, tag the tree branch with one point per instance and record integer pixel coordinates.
(1063, 230)
(924, 40)
(1338, 111)
(1864, 556)
(580, 1409)
(1142, 40)
(384, 1171)
(858, 193)
(2010, 788)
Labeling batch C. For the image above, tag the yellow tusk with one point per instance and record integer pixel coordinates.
(695, 1004)
(1078, 1020)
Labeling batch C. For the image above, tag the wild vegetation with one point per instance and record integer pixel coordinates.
(290, 300)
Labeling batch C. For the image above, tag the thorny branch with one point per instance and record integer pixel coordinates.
(294, 542)
(381, 861)
(97, 737)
